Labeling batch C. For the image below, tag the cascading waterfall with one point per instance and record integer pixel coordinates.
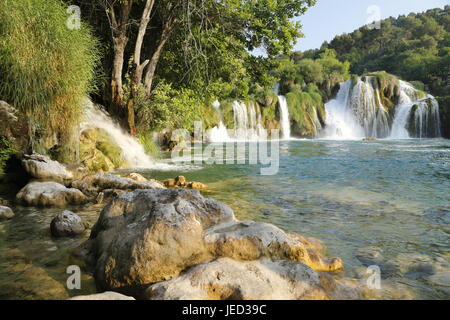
(247, 125)
(132, 151)
(284, 117)
(340, 121)
(357, 112)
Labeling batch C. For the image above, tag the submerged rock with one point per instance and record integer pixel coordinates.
(181, 182)
(94, 183)
(6, 213)
(148, 236)
(108, 295)
(67, 224)
(227, 279)
(49, 194)
(42, 167)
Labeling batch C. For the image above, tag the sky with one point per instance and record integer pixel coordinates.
(329, 18)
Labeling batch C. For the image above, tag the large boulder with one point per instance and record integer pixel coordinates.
(66, 224)
(108, 295)
(227, 279)
(92, 184)
(148, 236)
(6, 213)
(42, 167)
(49, 194)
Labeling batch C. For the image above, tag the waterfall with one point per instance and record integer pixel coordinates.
(284, 117)
(132, 151)
(340, 121)
(247, 125)
(357, 112)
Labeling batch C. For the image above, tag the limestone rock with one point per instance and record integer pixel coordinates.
(108, 295)
(227, 279)
(148, 236)
(95, 183)
(136, 177)
(67, 224)
(42, 167)
(181, 182)
(49, 194)
(14, 126)
(6, 213)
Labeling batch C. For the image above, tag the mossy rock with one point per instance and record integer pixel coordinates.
(98, 152)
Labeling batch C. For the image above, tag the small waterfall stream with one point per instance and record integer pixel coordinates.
(132, 151)
(284, 117)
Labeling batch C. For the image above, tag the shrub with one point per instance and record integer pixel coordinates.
(6, 151)
(46, 69)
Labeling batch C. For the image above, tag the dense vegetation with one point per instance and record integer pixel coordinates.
(159, 65)
(46, 69)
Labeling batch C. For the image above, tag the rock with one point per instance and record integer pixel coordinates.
(441, 278)
(42, 167)
(148, 236)
(94, 183)
(196, 185)
(170, 183)
(98, 151)
(6, 213)
(136, 177)
(49, 194)
(370, 139)
(14, 126)
(108, 295)
(67, 224)
(227, 279)
(369, 256)
(4, 202)
(180, 181)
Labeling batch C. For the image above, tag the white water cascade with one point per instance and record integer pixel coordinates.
(132, 151)
(284, 118)
(247, 125)
(357, 112)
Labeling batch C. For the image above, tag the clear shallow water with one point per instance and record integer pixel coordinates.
(382, 202)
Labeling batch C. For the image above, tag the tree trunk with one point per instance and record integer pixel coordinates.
(119, 28)
(138, 67)
(150, 73)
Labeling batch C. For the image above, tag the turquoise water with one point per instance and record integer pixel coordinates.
(384, 203)
(389, 198)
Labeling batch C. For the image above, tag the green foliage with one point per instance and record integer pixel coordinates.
(46, 69)
(325, 72)
(307, 111)
(6, 151)
(167, 108)
(414, 47)
(150, 147)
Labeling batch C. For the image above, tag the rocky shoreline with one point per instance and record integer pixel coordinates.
(164, 240)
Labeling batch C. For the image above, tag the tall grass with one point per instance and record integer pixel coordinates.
(45, 68)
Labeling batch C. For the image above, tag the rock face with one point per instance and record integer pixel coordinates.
(42, 167)
(148, 236)
(94, 183)
(227, 279)
(49, 194)
(14, 126)
(6, 213)
(66, 224)
(108, 295)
